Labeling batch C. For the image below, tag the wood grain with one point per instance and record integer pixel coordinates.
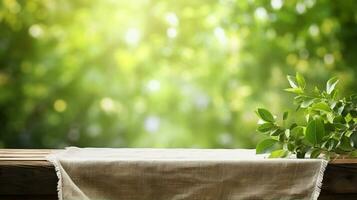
(25, 174)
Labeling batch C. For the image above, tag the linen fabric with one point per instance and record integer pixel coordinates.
(183, 174)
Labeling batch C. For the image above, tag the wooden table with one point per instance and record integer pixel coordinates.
(25, 175)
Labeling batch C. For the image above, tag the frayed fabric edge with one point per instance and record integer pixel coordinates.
(320, 176)
(52, 159)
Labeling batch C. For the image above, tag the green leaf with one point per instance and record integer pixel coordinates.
(285, 115)
(276, 132)
(282, 137)
(297, 108)
(330, 117)
(330, 144)
(292, 81)
(281, 153)
(265, 127)
(315, 153)
(316, 91)
(331, 84)
(300, 80)
(353, 139)
(339, 119)
(307, 103)
(297, 132)
(287, 133)
(315, 131)
(340, 126)
(265, 115)
(300, 154)
(265, 146)
(295, 90)
(308, 118)
(345, 144)
(353, 98)
(291, 146)
(340, 109)
(348, 117)
(299, 98)
(321, 106)
(293, 125)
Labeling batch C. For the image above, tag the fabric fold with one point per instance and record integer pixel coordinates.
(183, 174)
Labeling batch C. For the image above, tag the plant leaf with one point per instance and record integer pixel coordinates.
(265, 115)
(276, 132)
(321, 106)
(285, 115)
(297, 132)
(331, 84)
(293, 125)
(287, 133)
(300, 154)
(353, 139)
(265, 146)
(292, 81)
(300, 80)
(348, 117)
(315, 153)
(307, 103)
(265, 127)
(315, 131)
(281, 153)
(330, 117)
(291, 147)
(316, 90)
(339, 119)
(345, 144)
(294, 90)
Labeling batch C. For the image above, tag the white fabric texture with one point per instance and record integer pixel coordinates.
(183, 174)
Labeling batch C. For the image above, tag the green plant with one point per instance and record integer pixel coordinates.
(330, 127)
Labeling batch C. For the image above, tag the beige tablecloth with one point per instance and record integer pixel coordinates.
(183, 174)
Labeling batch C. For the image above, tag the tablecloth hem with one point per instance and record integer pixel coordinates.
(52, 159)
(319, 179)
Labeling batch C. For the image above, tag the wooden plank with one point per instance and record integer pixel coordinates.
(26, 174)
(25, 151)
(33, 163)
(26, 177)
(344, 161)
(24, 154)
(28, 197)
(21, 159)
(329, 196)
(340, 179)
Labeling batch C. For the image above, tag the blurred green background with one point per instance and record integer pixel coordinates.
(159, 73)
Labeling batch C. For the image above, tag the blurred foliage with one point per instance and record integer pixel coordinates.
(158, 73)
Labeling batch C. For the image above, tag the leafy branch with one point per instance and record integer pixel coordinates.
(330, 126)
